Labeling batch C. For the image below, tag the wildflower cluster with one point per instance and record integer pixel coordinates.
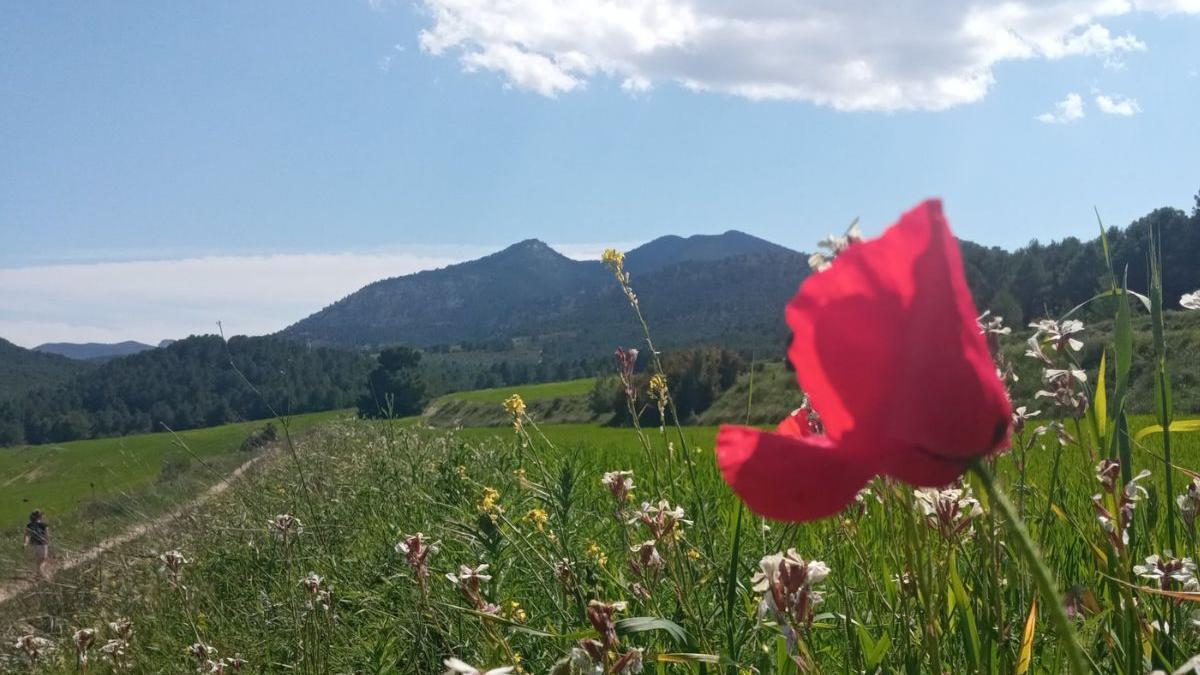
(614, 260)
(1189, 504)
(949, 511)
(514, 405)
(1169, 573)
(788, 584)
(620, 484)
(319, 594)
(489, 504)
(172, 565)
(459, 667)
(1064, 381)
(416, 552)
(603, 654)
(469, 581)
(84, 639)
(34, 647)
(664, 522)
(626, 362)
(1115, 505)
(285, 526)
(116, 650)
(834, 245)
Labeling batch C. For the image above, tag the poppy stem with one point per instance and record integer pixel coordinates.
(1051, 598)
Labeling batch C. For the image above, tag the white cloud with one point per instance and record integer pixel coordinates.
(148, 300)
(1065, 111)
(1117, 105)
(847, 54)
(153, 299)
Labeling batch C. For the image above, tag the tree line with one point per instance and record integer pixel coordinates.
(196, 382)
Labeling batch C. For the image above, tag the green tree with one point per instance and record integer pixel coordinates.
(395, 387)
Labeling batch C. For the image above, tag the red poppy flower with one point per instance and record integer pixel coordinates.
(886, 346)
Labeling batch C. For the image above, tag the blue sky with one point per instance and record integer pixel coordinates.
(145, 133)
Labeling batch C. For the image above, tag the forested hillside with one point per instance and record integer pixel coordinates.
(1047, 279)
(190, 383)
(22, 370)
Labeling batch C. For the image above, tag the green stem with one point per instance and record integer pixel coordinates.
(1052, 599)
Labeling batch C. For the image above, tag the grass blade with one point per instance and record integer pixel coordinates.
(1025, 655)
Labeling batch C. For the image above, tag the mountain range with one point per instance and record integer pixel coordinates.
(727, 289)
(91, 351)
(695, 289)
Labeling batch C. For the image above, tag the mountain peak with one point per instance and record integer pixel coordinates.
(530, 244)
(673, 249)
(528, 250)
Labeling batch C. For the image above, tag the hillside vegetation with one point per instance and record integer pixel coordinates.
(724, 289)
(551, 402)
(197, 382)
(24, 370)
(94, 488)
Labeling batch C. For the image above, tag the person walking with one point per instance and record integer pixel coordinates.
(37, 536)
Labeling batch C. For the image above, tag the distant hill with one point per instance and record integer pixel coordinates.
(726, 289)
(695, 288)
(23, 370)
(191, 383)
(674, 250)
(88, 351)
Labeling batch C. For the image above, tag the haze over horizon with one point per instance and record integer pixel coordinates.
(165, 167)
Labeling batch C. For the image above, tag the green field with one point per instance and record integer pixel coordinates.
(88, 488)
(529, 392)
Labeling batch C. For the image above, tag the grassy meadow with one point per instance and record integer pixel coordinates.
(530, 392)
(90, 489)
(360, 488)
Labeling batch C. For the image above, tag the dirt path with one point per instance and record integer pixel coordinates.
(73, 560)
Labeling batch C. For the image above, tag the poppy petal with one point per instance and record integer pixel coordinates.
(885, 345)
(795, 424)
(917, 467)
(790, 478)
(949, 401)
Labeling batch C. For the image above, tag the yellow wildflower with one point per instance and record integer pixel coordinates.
(515, 405)
(489, 504)
(693, 554)
(614, 259)
(538, 517)
(514, 612)
(596, 553)
(461, 471)
(658, 387)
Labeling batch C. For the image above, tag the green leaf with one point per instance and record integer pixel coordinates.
(1101, 396)
(1025, 655)
(1104, 245)
(1179, 427)
(641, 624)
(1108, 294)
(873, 650)
(1123, 337)
(968, 613)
